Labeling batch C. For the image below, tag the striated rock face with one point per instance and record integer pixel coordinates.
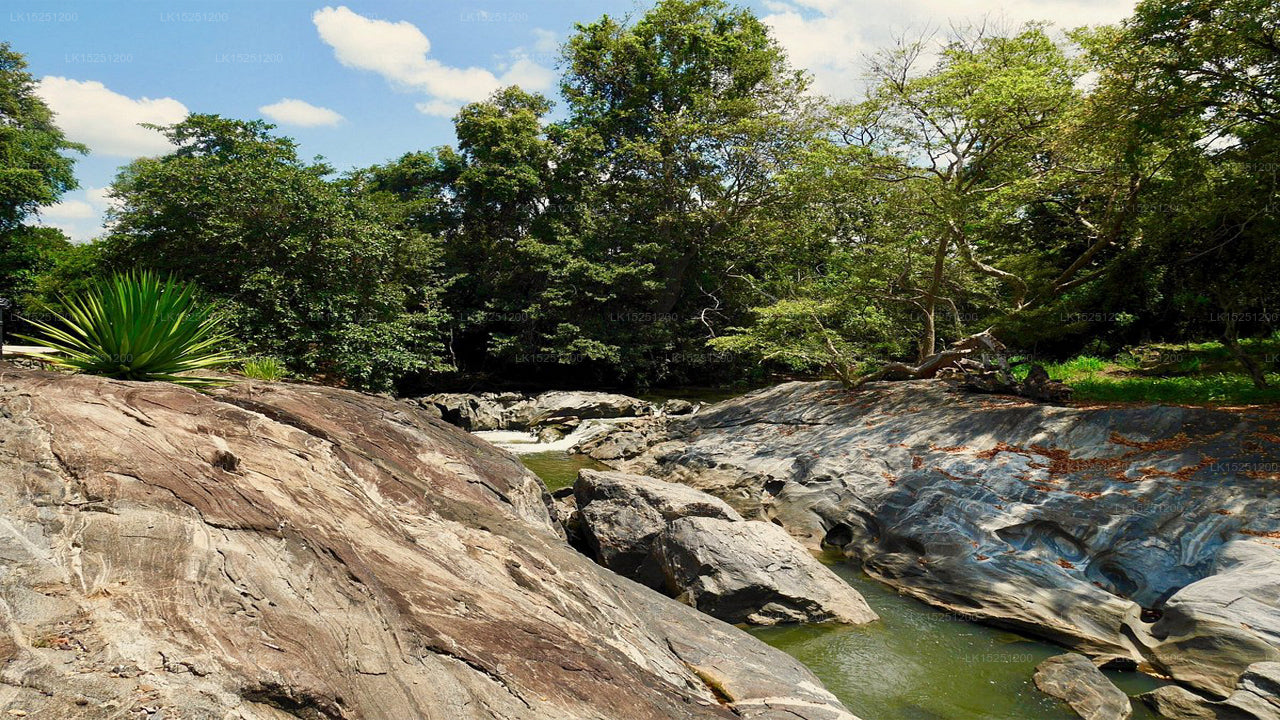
(277, 551)
(1080, 525)
(695, 547)
(1073, 679)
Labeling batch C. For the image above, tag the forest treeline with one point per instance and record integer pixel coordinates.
(694, 213)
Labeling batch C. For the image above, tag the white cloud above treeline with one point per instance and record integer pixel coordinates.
(831, 38)
(88, 112)
(300, 113)
(400, 53)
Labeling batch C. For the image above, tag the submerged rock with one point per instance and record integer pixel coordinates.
(274, 551)
(1100, 528)
(696, 547)
(1075, 680)
(752, 572)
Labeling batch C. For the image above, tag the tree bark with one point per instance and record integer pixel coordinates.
(1231, 338)
(929, 339)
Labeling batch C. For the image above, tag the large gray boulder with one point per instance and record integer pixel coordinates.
(1075, 680)
(752, 572)
(1081, 525)
(557, 406)
(1256, 697)
(697, 548)
(620, 515)
(513, 411)
(278, 551)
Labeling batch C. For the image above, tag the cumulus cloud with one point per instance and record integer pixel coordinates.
(106, 121)
(79, 215)
(400, 52)
(831, 38)
(300, 113)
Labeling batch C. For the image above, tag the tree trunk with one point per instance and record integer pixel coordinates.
(1231, 338)
(929, 340)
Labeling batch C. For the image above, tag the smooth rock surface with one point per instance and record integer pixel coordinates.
(283, 551)
(1075, 680)
(752, 572)
(1081, 525)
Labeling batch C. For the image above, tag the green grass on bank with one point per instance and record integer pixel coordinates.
(1186, 374)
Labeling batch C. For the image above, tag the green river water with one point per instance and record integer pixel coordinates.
(915, 663)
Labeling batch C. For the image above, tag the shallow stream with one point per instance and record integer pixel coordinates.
(915, 663)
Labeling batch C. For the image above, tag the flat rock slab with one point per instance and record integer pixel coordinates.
(270, 551)
(1075, 680)
(752, 572)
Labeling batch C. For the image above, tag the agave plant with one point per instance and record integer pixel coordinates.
(134, 326)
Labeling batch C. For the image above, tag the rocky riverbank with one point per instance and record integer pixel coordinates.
(1143, 533)
(273, 551)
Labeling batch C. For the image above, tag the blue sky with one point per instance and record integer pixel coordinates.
(364, 81)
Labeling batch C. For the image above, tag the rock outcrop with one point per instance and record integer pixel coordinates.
(752, 572)
(1147, 532)
(1075, 680)
(621, 515)
(280, 551)
(697, 548)
(515, 411)
(1256, 697)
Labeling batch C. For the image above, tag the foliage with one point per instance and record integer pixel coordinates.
(137, 327)
(34, 167)
(305, 270)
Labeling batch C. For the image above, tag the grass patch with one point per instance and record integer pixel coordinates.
(1184, 374)
(264, 368)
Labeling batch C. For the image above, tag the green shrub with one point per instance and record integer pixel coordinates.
(264, 368)
(133, 326)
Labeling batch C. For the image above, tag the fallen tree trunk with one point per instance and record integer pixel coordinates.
(977, 363)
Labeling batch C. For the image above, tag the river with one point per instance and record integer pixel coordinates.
(915, 663)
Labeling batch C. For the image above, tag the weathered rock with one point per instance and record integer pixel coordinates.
(676, 406)
(486, 411)
(1076, 524)
(626, 440)
(621, 514)
(1075, 680)
(559, 410)
(1257, 697)
(291, 551)
(1212, 629)
(752, 572)
(557, 406)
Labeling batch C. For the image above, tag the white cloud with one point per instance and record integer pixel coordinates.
(300, 113)
(106, 121)
(831, 38)
(399, 52)
(79, 215)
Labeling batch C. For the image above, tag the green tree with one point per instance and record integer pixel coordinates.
(35, 168)
(309, 272)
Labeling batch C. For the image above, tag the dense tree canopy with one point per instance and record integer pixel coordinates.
(693, 212)
(309, 273)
